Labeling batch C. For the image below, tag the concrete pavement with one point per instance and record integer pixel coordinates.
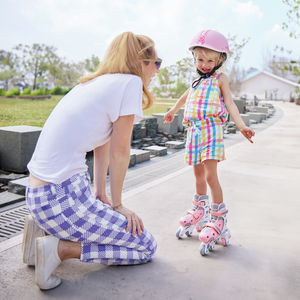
(260, 182)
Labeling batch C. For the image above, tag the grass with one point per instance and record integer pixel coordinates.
(35, 112)
(26, 112)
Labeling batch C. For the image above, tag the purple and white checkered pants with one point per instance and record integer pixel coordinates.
(71, 212)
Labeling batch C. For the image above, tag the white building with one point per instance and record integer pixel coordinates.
(265, 85)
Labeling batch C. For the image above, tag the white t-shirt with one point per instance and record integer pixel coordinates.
(82, 121)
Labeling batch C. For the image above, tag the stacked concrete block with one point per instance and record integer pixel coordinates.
(240, 103)
(150, 122)
(261, 109)
(246, 119)
(171, 128)
(137, 131)
(180, 114)
(143, 132)
(157, 150)
(18, 186)
(17, 144)
(175, 145)
(140, 155)
(255, 116)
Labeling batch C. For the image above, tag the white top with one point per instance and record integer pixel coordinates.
(81, 122)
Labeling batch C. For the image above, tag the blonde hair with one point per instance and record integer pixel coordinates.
(209, 53)
(124, 56)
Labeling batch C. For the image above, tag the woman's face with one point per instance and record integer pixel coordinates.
(150, 70)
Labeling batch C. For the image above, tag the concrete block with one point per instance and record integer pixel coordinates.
(137, 131)
(180, 114)
(18, 186)
(132, 161)
(143, 132)
(171, 128)
(255, 116)
(140, 155)
(7, 198)
(246, 119)
(240, 105)
(157, 150)
(6, 178)
(17, 144)
(175, 145)
(262, 109)
(150, 123)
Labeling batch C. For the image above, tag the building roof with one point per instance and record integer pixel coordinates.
(257, 72)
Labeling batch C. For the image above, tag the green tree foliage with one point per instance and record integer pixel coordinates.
(92, 64)
(9, 66)
(37, 60)
(293, 15)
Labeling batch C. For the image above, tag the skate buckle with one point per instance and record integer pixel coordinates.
(200, 203)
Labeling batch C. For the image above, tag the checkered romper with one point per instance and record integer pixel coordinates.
(71, 212)
(204, 114)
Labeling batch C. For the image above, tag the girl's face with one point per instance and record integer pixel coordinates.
(150, 70)
(204, 63)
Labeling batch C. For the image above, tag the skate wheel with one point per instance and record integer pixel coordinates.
(188, 233)
(178, 233)
(224, 242)
(211, 247)
(203, 250)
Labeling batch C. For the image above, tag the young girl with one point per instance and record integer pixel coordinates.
(206, 102)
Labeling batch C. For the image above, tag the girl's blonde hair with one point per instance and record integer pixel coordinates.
(209, 53)
(124, 56)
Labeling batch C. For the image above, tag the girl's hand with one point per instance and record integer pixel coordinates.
(105, 199)
(169, 117)
(132, 219)
(248, 133)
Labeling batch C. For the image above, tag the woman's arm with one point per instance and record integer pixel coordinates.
(101, 161)
(232, 108)
(119, 157)
(169, 116)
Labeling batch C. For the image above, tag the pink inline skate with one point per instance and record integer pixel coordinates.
(215, 229)
(195, 218)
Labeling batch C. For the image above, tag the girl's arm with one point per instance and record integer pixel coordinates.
(169, 116)
(101, 160)
(119, 157)
(232, 108)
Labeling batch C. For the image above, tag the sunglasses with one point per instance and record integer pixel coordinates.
(157, 61)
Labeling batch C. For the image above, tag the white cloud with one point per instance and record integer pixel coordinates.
(247, 9)
(27, 13)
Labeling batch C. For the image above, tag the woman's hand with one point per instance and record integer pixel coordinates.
(169, 117)
(105, 199)
(248, 133)
(132, 219)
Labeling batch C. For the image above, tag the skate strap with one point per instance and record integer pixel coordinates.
(213, 226)
(191, 212)
(201, 203)
(218, 213)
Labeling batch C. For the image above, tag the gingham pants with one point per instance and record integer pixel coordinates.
(71, 212)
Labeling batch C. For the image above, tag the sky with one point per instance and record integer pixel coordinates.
(80, 29)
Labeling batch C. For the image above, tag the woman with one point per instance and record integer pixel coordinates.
(98, 114)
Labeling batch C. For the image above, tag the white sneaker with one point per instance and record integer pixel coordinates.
(46, 261)
(31, 232)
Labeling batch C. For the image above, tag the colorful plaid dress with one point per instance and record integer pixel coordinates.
(204, 114)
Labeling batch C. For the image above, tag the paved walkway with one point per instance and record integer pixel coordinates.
(260, 184)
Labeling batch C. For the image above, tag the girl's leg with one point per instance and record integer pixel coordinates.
(211, 177)
(201, 186)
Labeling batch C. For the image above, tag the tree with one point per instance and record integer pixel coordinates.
(92, 64)
(37, 59)
(9, 67)
(293, 14)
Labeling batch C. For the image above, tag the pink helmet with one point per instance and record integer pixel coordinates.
(210, 39)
